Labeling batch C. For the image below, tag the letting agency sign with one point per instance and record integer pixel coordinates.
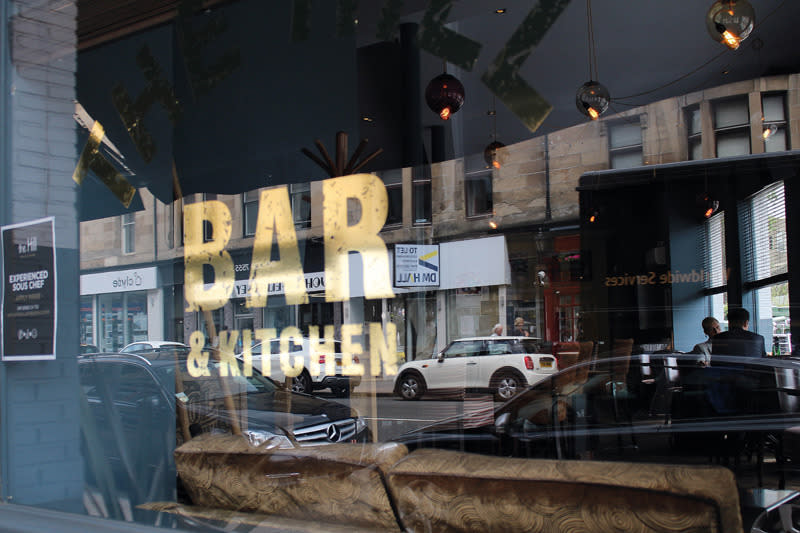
(416, 265)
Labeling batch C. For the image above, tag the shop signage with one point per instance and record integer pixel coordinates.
(416, 265)
(137, 279)
(29, 291)
(315, 282)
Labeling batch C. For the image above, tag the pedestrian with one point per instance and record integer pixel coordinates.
(497, 330)
(519, 327)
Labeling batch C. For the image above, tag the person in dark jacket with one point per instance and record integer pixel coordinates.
(738, 340)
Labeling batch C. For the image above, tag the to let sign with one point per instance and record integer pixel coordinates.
(29, 291)
(416, 265)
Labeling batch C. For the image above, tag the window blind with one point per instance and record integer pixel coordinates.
(713, 243)
(763, 223)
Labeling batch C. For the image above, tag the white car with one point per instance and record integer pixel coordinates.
(304, 379)
(146, 346)
(502, 365)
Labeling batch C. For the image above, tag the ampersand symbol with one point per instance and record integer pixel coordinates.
(197, 362)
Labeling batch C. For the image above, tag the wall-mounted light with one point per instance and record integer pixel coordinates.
(444, 95)
(594, 216)
(769, 131)
(730, 21)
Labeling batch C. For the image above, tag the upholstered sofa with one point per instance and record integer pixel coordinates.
(383, 487)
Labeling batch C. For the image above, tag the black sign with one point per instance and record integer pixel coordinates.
(29, 291)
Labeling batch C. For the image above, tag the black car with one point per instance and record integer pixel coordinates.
(137, 412)
(740, 412)
(652, 408)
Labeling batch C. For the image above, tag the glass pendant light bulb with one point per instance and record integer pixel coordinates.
(592, 99)
(730, 21)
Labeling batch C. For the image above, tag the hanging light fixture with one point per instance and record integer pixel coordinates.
(708, 205)
(444, 95)
(592, 98)
(730, 21)
(490, 152)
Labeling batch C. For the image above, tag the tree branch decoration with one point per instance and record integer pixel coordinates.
(340, 167)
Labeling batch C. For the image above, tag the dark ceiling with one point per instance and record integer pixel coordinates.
(646, 50)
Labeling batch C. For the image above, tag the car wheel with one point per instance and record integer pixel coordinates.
(302, 383)
(507, 385)
(411, 386)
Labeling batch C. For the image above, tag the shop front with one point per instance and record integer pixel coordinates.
(120, 307)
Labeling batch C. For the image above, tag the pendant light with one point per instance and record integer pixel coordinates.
(490, 152)
(444, 95)
(730, 21)
(592, 98)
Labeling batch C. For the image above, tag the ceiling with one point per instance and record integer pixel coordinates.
(646, 51)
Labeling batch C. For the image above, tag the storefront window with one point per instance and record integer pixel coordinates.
(345, 314)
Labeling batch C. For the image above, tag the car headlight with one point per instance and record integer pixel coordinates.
(266, 439)
(361, 424)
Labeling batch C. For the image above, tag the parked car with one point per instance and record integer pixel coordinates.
(649, 408)
(502, 365)
(307, 379)
(145, 346)
(89, 348)
(139, 407)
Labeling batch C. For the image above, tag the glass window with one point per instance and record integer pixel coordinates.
(625, 144)
(129, 233)
(421, 195)
(301, 204)
(694, 131)
(478, 193)
(774, 130)
(441, 291)
(250, 211)
(394, 190)
(732, 127)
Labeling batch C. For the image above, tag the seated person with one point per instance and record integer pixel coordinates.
(738, 340)
(711, 329)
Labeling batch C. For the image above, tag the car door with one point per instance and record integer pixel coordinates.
(449, 371)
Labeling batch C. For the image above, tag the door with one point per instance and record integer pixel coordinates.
(450, 370)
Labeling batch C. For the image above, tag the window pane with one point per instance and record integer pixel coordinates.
(731, 113)
(478, 192)
(764, 234)
(772, 107)
(395, 215)
(693, 120)
(625, 134)
(733, 143)
(626, 159)
(776, 142)
(422, 203)
(250, 218)
(695, 149)
(301, 204)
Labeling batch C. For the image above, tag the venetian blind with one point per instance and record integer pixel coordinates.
(714, 251)
(763, 226)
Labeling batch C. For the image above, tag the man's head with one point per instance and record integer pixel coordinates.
(711, 326)
(738, 317)
(498, 329)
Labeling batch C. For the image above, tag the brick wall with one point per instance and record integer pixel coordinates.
(40, 410)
